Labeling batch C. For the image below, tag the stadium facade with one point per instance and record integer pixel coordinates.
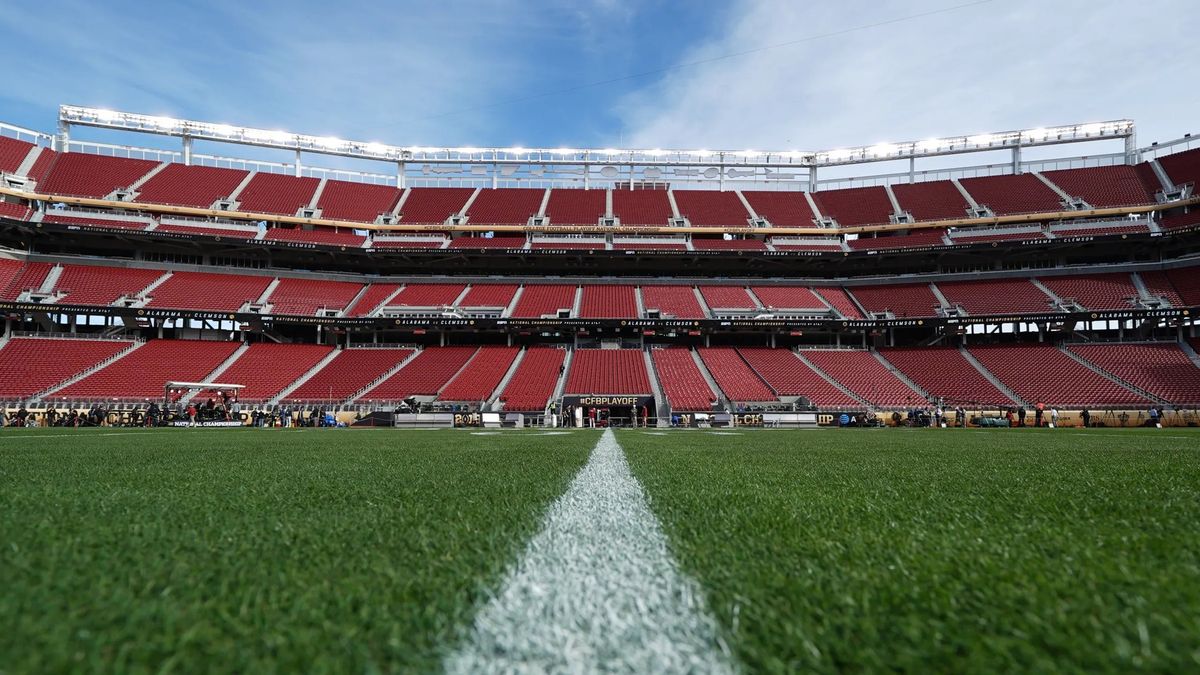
(747, 286)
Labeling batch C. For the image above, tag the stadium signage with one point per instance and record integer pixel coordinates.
(211, 423)
(609, 401)
(747, 420)
(468, 419)
(254, 321)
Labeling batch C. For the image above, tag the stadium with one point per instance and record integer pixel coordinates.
(920, 406)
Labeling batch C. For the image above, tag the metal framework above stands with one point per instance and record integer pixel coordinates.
(599, 166)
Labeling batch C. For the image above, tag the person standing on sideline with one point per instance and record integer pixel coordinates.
(1039, 412)
(1021, 416)
(1054, 417)
(1086, 417)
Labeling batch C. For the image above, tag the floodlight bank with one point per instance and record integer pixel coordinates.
(596, 591)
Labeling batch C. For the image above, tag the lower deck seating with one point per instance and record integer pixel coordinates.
(1159, 285)
(996, 296)
(727, 297)
(371, 299)
(1186, 281)
(481, 376)
(267, 368)
(608, 301)
(32, 365)
(1164, 370)
(539, 300)
(789, 376)
(789, 297)
(424, 375)
(143, 373)
(1041, 373)
(902, 300)
(17, 277)
(672, 301)
(208, 291)
(682, 382)
(101, 286)
(840, 300)
(304, 297)
(862, 373)
(427, 295)
(1095, 291)
(488, 295)
(608, 371)
(734, 376)
(349, 372)
(945, 373)
(533, 383)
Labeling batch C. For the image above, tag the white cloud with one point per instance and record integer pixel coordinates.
(1001, 65)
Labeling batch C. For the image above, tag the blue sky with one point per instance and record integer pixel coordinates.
(493, 72)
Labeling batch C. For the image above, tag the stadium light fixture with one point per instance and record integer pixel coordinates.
(168, 126)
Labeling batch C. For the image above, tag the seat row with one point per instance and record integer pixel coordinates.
(98, 285)
(96, 176)
(517, 379)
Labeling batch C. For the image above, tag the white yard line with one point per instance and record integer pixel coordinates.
(80, 435)
(596, 591)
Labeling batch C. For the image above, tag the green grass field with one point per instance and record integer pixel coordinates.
(255, 551)
(827, 551)
(940, 550)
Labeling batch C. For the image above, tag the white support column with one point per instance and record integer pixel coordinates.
(62, 142)
(912, 170)
(187, 150)
(400, 179)
(297, 164)
(812, 179)
(1016, 159)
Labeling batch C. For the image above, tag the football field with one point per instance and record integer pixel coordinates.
(700, 551)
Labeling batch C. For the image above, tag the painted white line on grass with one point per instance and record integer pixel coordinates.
(596, 591)
(84, 434)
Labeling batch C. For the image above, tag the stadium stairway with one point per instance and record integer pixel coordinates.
(834, 383)
(384, 377)
(660, 401)
(897, 372)
(712, 382)
(991, 378)
(1104, 373)
(333, 353)
(1191, 353)
(216, 372)
(562, 376)
(493, 400)
(44, 394)
(1058, 302)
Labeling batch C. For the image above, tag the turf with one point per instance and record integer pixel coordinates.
(938, 550)
(260, 550)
